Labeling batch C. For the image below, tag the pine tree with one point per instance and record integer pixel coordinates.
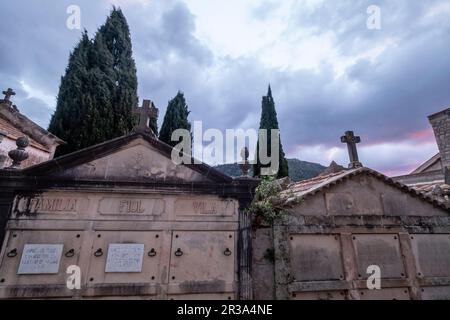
(74, 100)
(176, 117)
(269, 121)
(99, 89)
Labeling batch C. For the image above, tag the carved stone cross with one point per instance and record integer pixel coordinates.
(351, 140)
(8, 93)
(145, 114)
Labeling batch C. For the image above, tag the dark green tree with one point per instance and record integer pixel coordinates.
(99, 89)
(269, 121)
(116, 79)
(176, 117)
(74, 100)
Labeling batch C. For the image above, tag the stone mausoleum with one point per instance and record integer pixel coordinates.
(139, 226)
(41, 144)
(136, 224)
(337, 226)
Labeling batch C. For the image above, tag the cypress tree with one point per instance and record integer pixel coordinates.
(99, 89)
(269, 121)
(116, 72)
(176, 117)
(74, 100)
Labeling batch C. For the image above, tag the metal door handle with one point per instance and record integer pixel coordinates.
(178, 253)
(70, 253)
(12, 253)
(98, 253)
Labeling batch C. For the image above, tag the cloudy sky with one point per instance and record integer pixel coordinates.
(329, 73)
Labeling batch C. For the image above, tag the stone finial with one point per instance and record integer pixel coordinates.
(8, 93)
(245, 166)
(332, 168)
(147, 112)
(18, 155)
(351, 140)
(437, 191)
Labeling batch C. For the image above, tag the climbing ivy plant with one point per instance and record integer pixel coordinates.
(269, 203)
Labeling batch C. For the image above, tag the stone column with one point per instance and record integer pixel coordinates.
(245, 255)
(441, 125)
(3, 157)
(6, 202)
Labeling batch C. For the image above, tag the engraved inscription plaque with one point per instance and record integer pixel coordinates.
(48, 204)
(40, 259)
(199, 207)
(124, 257)
(131, 206)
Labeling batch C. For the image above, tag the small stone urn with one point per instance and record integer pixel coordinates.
(245, 166)
(18, 155)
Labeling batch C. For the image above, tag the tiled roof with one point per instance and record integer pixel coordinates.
(427, 164)
(436, 189)
(303, 187)
(15, 133)
(18, 124)
(306, 188)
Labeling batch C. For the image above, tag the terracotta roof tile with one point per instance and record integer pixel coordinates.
(303, 187)
(310, 187)
(14, 134)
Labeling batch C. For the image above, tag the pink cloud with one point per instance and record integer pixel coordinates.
(425, 135)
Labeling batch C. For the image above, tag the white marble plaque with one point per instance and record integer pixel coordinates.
(124, 257)
(40, 259)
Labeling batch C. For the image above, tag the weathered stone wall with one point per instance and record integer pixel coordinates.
(365, 195)
(441, 126)
(263, 259)
(435, 176)
(328, 258)
(323, 247)
(6, 200)
(174, 245)
(434, 167)
(137, 158)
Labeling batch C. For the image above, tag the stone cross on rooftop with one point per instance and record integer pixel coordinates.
(351, 140)
(8, 93)
(145, 113)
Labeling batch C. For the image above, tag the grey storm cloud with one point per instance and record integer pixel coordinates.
(383, 99)
(393, 94)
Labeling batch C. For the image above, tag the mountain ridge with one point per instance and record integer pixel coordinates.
(298, 169)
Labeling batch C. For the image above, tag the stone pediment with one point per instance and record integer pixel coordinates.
(136, 157)
(362, 191)
(136, 161)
